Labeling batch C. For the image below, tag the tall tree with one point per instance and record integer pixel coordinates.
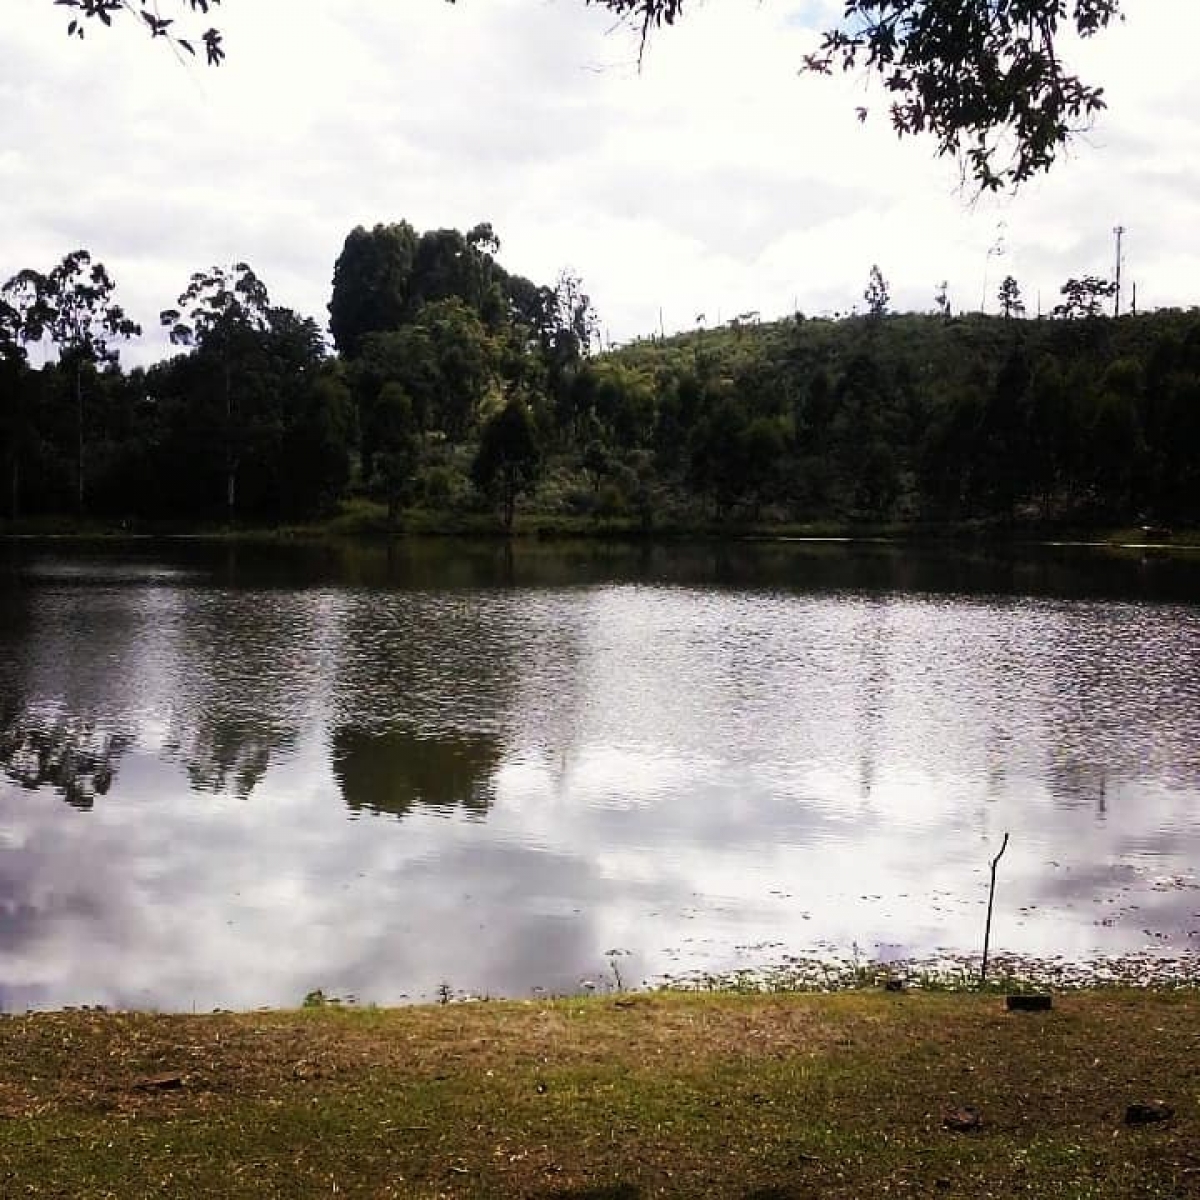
(876, 294)
(221, 313)
(1084, 297)
(24, 314)
(81, 319)
(12, 370)
(941, 299)
(1011, 304)
(509, 460)
(372, 284)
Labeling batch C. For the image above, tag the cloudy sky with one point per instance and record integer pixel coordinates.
(717, 180)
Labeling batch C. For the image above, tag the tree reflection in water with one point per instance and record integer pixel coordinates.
(222, 753)
(69, 755)
(396, 770)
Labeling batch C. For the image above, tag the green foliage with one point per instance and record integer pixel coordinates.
(371, 283)
(877, 295)
(978, 76)
(1084, 297)
(73, 305)
(983, 78)
(909, 419)
(508, 461)
(397, 446)
(317, 448)
(1011, 304)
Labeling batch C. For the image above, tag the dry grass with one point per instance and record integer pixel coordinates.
(612, 1099)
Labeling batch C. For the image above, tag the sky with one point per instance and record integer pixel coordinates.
(715, 180)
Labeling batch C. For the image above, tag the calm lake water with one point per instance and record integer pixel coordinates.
(233, 774)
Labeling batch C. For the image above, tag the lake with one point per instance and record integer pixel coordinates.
(232, 774)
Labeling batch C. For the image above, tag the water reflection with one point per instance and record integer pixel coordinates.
(394, 771)
(699, 756)
(69, 755)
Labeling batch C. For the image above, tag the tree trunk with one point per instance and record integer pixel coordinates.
(79, 431)
(510, 500)
(230, 458)
(16, 484)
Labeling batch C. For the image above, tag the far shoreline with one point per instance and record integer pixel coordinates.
(367, 524)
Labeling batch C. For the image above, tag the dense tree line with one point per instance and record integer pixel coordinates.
(460, 388)
(1078, 418)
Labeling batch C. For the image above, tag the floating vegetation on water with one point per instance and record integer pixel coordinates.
(958, 973)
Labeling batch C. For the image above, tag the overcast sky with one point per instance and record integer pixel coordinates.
(716, 181)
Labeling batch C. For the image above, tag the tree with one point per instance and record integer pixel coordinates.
(24, 313)
(508, 461)
(220, 313)
(876, 295)
(78, 313)
(1011, 304)
(372, 281)
(12, 371)
(397, 446)
(460, 353)
(941, 298)
(316, 451)
(1084, 297)
(979, 76)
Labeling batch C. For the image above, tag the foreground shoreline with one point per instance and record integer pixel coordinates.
(613, 1097)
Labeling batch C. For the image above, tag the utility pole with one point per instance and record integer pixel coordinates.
(1119, 230)
(1135, 297)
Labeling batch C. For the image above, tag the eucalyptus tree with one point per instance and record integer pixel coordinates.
(26, 296)
(876, 294)
(222, 314)
(1084, 298)
(24, 312)
(509, 460)
(1011, 304)
(77, 312)
(12, 368)
(372, 282)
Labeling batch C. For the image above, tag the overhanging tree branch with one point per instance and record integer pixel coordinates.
(159, 26)
(984, 78)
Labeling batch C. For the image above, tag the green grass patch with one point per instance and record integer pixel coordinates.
(616, 1097)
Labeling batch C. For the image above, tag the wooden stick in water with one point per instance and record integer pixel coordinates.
(987, 931)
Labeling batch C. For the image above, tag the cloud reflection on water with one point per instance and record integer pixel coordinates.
(697, 777)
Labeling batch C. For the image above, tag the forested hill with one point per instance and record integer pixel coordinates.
(463, 395)
(921, 417)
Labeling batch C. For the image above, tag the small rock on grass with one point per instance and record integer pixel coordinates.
(159, 1083)
(963, 1119)
(1028, 1003)
(1148, 1114)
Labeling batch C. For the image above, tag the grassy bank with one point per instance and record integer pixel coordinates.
(610, 1098)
